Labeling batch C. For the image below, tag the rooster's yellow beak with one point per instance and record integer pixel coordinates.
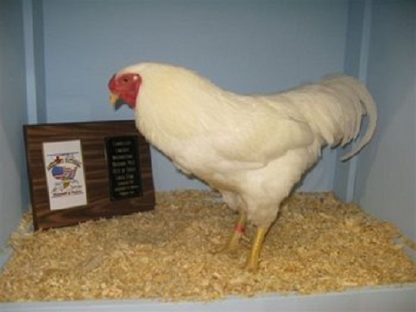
(113, 98)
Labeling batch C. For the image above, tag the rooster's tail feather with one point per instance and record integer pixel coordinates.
(370, 107)
(367, 107)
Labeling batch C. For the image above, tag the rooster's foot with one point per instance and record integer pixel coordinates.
(252, 263)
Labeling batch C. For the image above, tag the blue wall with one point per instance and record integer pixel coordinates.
(34, 60)
(386, 171)
(71, 48)
(245, 46)
(13, 191)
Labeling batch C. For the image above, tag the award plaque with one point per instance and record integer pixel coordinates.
(88, 170)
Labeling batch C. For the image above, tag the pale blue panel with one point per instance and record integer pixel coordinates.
(383, 299)
(356, 63)
(245, 46)
(13, 191)
(34, 61)
(353, 50)
(39, 59)
(386, 172)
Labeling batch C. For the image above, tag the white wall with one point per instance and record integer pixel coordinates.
(386, 172)
(13, 191)
(246, 46)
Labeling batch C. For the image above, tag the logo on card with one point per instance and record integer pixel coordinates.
(63, 169)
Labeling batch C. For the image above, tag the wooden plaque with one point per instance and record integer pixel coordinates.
(87, 170)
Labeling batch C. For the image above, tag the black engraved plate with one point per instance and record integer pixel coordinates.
(123, 167)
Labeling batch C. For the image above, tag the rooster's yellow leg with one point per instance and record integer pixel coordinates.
(234, 241)
(252, 263)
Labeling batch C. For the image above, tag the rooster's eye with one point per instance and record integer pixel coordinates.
(125, 80)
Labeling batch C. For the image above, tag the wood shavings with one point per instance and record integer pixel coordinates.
(317, 244)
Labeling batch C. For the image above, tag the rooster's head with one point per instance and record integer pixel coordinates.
(124, 88)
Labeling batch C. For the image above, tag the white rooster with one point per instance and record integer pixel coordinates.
(253, 149)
